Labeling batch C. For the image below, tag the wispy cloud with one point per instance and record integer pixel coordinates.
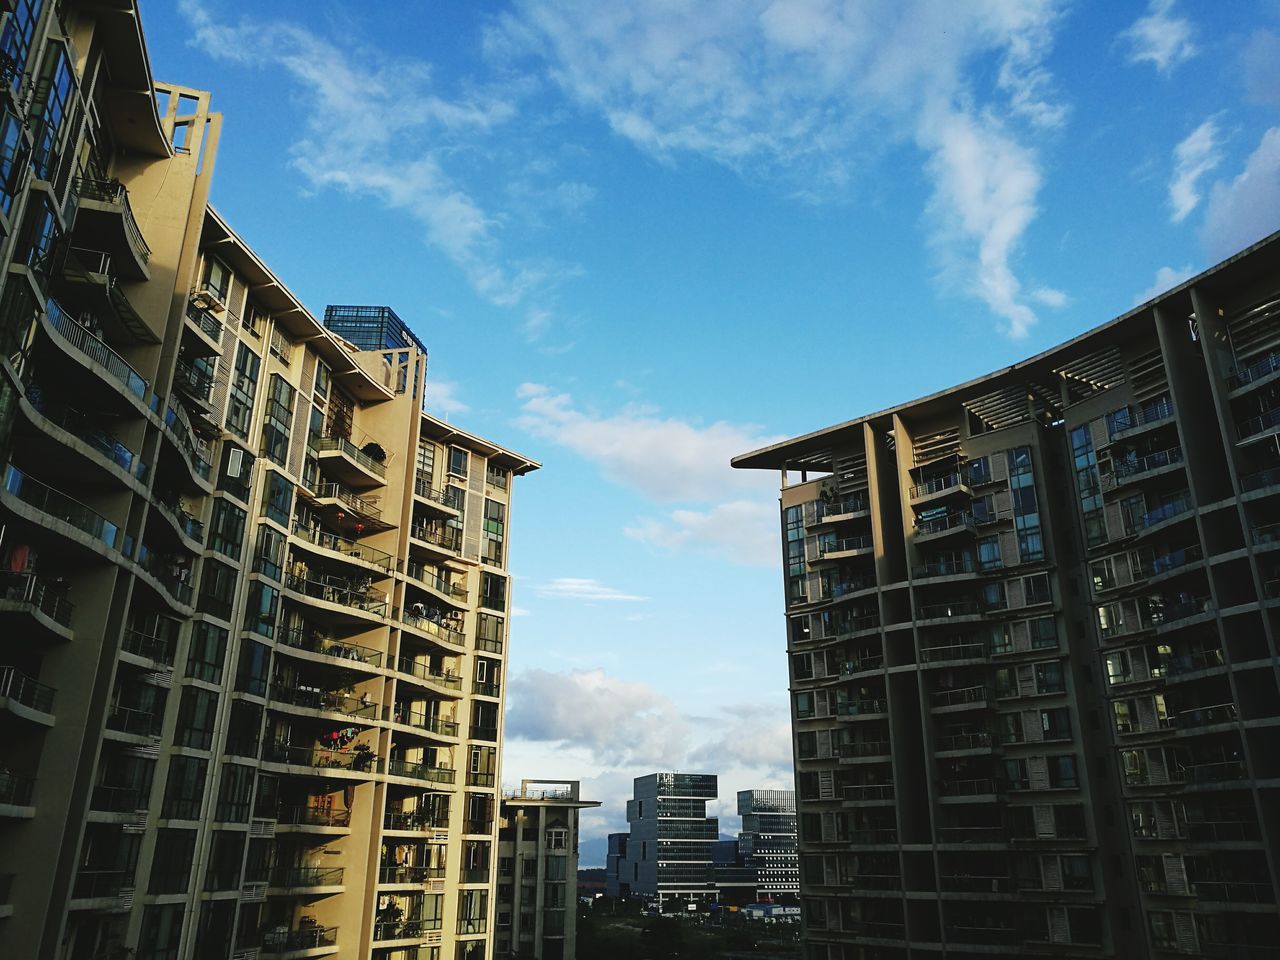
(665, 458)
(375, 126)
(1160, 38)
(1193, 158)
(1166, 279)
(810, 95)
(583, 588)
(1245, 209)
(442, 397)
(744, 531)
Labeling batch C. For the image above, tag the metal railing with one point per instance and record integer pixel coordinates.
(434, 628)
(60, 506)
(422, 487)
(16, 789)
(276, 940)
(347, 448)
(95, 348)
(208, 324)
(179, 429)
(872, 706)
(936, 485)
(98, 884)
(336, 491)
(84, 427)
(436, 581)
(1178, 664)
(109, 798)
(354, 549)
(313, 817)
(1175, 508)
(403, 929)
(308, 877)
(46, 595)
(135, 722)
(166, 572)
(946, 567)
(301, 639)
(17, 686)
(1253, 371)
(196, 382)
(862, 749)
(840, 546)
(1206, 716)
(954, 651)
(1143, 416)
(414, 820)
(960, 696)
(361, 761)
(448, 537)
(1129, 468)
(341, 592)
(423, 721)
(964, 741)
(968, 788)
(943, 611)
(423, 671)
(114, 192)
(1250, 426)
(840, 508)
(952, 521)
(420, 771)
(360, 708)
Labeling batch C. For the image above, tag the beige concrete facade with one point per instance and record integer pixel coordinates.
(1032, 627)
(254, 600)
(537, 893)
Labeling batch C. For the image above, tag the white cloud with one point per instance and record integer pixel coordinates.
(810, 93)
(753, 735)
(1160, 38)
(583, 588)
(665, 458)
(374, 126)
(1193, 158)
(442, 397)
(1246, 209)
(1260, 67)
(622, 722)
(746, 531)
(520, 612)
(1166, 279)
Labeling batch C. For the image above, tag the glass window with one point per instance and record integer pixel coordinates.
(217, 588)
(184, 790)
(459, 461)
(171, 862)
(226, 528)
(49, 110)
(244, 385)
(269, 554)
(277, 501)
(197, 718)
(252, 671)
(276, 420)
(13, 160)
(261, 610)
(1043, 632)
(208, 652)
(1036, 589)
(161, 932)
(1062, 772)
(495, 525)
(1049, 677)
(989, 553)
(235, 792)
(493, 591)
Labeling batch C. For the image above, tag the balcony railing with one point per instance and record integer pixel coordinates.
(448, 537)
(17, 686)
(840, 508)
(962, 696)
(179, 427)
(209, 325)
(422, 487)
(436, 581)
(826, 547)
(275, 940)
(862, 708)
(91, 432)
(156, 649)
(414, 820)
(871, 661)
(1178, 664)
(1127, 419)
(420, 771)
(308, 877)
(1216, 771)
(1254, 425)
(354, 549)
(409, 874)
(1253, 371)
(403, 929)
(1136, 466)
(313, 817)
(95, 348)
(15, 789)
(112, 191)
(1172, 560)
(338, 590)
(1222, 831)
(960, 520)
(423, 721)
(433, 627)
(423, 671)
(862, 749)
(981, 786)
(58, 505)
(349, 449)
(964, 741)
(936, 485)
(946, 611)
(98, 884)
(361, 761)
(1174, 508)
(135, 722)
(357, 504)
(301, 639)
(109, 798)
(169, 574)
(1206, 716)
(970, 884)
(46, 595)
(1235, 891)
(946, 567)
(1183, 609)
(191, 379)
(954, 651)
(360, 708)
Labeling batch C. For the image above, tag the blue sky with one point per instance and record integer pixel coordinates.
(641, 238)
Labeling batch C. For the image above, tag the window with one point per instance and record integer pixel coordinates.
(237, 471)
(171, 862)
(49, 110)
(426, 462)
(341, 415)
(225, 854)
(804, 705)
(989, 553)
(984, 509)
(1055, 724)
(1062, 772)
(277, 501)
(1006, 682)
(161, 932)
(226, 529)
(1118, 667)
(269, 555)
(1076, 873)
(1049, 677)
(459, 460)
(217, 588)
(802, 666)
(13, 160)
(489, 633)
(207, 653)
(1036, 589)
(1010, 728)
(1122, 714)
(184, 790)
(993, 596)
(473, 912)
(1026, 507)
(1044, 633)
(1015, 774)
(260, 612)
(251, 673)
(1103, 574)
(320, 387)
(197, 718)
(495, 525)
(556, 868)
(235, 793)
(496, 476)
(244, 384)
(493, 591)
(276, 419)
(217, 279)
(979, 471)
(18, 34)
(796, 591)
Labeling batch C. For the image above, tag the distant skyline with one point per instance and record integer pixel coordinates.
(704, 227)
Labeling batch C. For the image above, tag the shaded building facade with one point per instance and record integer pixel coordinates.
(1032, 627)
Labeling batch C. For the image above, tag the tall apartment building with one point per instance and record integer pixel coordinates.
(667, 854)
(767, 842)
(254, 598)
(1032, 623)
(537, 894)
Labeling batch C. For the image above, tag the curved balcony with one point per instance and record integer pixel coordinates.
(178, 430)
(104, 448)
(338, 652)
(419, 720)
(341, 459)
(157, 650)
(58, 511)
(423, 675)
(88, 283)
(106, 218)
(331, 545)
(421, 622)
(411, 770)
(184, 524)
(171, 576)
(109, 365)
(26, 697)
(42, 599)
(344, 501)
(341, 594)
(322, 702)
(361, 762)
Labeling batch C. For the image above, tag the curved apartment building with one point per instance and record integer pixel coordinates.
(1033, 624)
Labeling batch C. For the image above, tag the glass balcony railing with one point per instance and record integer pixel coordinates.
(961, 520)
(349, 449)
(20, 688)
(307, 877)
(179, 428)
(89, 430)
(95, 348)
(1175, 508)
(172, 576)
(47, 595)
(58, 505)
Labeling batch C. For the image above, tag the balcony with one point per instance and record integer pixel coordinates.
(423, 721)
(1177, 665)
(1215, 771)
(1168, 511)
(17, 688)
(1257, 425)
(170, 507)
(949, 567)
(322, 758)
(209, 326)
(172, 576)
(1184, 609)
(966, 883)
(1128, 423)
(193, 381)
(420, 771)
(871, 707)
(15, 790)
(113, 366)
(425, 624)
(156, 649)
(830, 511)
(1244, 375)
(961, 698)
(366, 511)
(422, 671)
(952, 610)
(283, 942)
(88, 284)
(100, 885)
(428, 577)
(1208, 716)
(342, 651)
(106, 219)
(349, 549)
(862, 664)
(59, 507)
(848, 547)
(313, 817)
(953, 652)
(984, 787)
(132, 721)
(954, 743)
(445, 498)
(405, 930)
(407, 875)
(1234, 891)
(949, 525)
(1222, 831)
(340, 591)
(1135, 468)
(349, 464)
(448, 538)
(29, 593)
(324, 701)
(110, 798)
(863, 750)
(950, 485)
(92, 432)
(307, 878)
(177, 427)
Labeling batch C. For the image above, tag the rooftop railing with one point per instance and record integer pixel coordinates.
(60, 506)
(95, 348)
(17, 686)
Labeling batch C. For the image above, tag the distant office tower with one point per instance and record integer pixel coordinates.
(537, 897)
(767, 843)
(615, 885)
(668, 851)
(1033, 625)
(254, 597)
